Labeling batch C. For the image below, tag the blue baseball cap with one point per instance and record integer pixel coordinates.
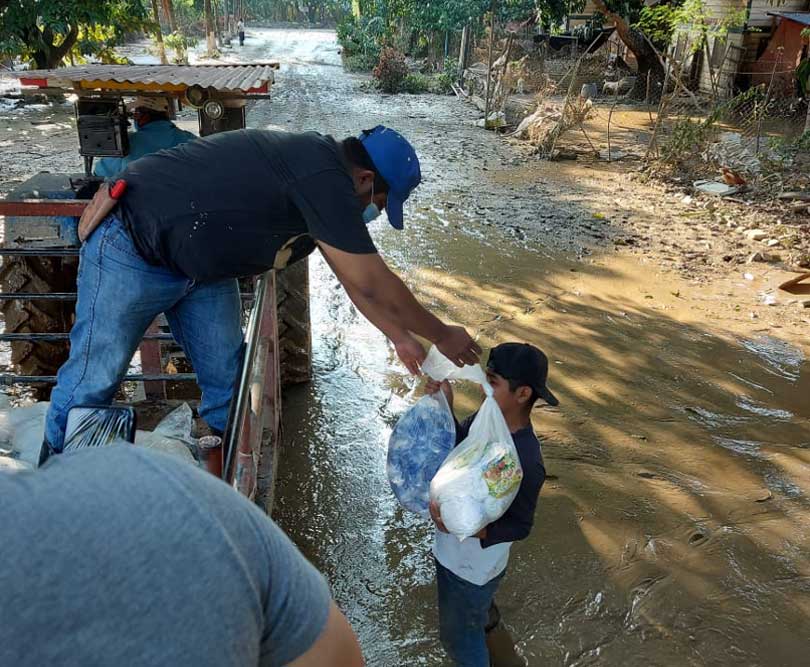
(396, 161)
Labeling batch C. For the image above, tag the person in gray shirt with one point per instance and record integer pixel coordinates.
(123, 556)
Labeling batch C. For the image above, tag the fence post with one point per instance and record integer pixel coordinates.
(768, 96)
(489, 63)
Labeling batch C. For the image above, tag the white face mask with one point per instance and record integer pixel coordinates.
(372, 211)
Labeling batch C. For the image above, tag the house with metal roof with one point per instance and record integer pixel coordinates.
(783, 53)
(727, 62)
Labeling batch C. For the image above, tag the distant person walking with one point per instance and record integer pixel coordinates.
(240, 29)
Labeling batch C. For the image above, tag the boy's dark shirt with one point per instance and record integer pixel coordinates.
(517, 521)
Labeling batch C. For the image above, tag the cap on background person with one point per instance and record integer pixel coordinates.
(523, 364)
(396, 161)
(161, 104)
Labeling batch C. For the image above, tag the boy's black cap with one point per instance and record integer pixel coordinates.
(525, 364)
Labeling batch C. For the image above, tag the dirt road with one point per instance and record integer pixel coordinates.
(674, 527)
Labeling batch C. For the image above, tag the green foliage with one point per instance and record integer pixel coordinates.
(658, 23)
(803, 76)
(360, 62)
(690, 137)
(442, 82)
(416, 83)
(412, 24)
(391, 70)
(180, 43)
(360, 39)
(47, 31)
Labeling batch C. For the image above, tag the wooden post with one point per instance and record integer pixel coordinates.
(610, 116)
(462, 53)
(489, 63)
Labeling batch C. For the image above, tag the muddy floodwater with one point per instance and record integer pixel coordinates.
(674, 525)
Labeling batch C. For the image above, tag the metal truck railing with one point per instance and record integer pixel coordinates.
(250, 444)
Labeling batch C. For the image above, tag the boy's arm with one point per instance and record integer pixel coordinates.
(517, 521)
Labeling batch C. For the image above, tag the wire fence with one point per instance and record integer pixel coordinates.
(757, 139)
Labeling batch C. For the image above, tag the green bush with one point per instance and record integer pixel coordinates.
(444, 80)
(391, 70)
(415, 83)
(360, 40)
(359, 62)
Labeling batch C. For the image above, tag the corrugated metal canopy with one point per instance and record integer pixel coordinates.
(253, 77)
(798, 17)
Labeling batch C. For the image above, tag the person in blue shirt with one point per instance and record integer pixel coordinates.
(154, 131)
(468, 572)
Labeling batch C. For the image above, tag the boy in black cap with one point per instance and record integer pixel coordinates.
(468, 572)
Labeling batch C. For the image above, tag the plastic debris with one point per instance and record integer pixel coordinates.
(172, 435)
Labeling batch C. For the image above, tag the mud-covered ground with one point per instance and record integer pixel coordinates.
(673, 528)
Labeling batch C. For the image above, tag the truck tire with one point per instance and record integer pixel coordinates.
(38, 274)
(294, 331)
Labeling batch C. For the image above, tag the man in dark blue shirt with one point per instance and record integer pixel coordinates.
(468, 572)
(196, 217)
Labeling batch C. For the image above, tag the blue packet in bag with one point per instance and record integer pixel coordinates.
(419, 444)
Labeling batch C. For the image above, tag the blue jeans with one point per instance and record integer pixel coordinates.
(119, 295)
(463, 615)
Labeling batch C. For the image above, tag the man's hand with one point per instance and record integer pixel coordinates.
(410, 352)
(437, 517)
(458, 347)
(432, 387)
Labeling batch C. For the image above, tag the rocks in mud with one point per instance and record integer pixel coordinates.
(764, 257)
(756, 235)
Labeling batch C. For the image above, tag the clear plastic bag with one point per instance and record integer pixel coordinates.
(172, 435)
(424, 436)
(480, 478)
(419, 443)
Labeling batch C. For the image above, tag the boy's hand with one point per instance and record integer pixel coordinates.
(437, 517)
(432, 387)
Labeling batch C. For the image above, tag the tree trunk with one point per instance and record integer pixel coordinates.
(646, 56)
(210, 40)
(168, 10)
(159, 33)
(48, 56)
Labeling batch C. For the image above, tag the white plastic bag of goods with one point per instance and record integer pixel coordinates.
(480, 478)
(22, 429)
(424, 436)
(440, 368)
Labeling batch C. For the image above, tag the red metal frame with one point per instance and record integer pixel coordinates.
(256, 432)
(45, 207)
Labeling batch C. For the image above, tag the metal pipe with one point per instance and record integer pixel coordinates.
(240, 399)
(47, 207)
(9, 379)
(64, 296)
(66, 336)
(43, 252)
